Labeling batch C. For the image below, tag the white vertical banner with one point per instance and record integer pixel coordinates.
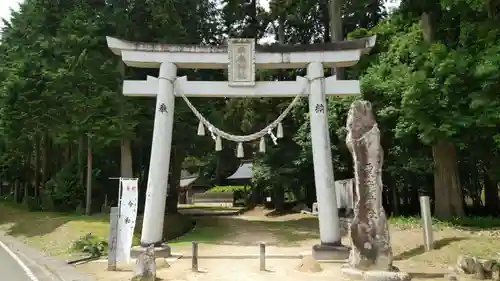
(126, 220)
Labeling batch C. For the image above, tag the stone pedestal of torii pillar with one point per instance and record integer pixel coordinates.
(157, 187)
(330, 247)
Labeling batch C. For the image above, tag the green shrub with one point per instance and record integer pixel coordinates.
(240, 192)
(228, 188)
(90, 244)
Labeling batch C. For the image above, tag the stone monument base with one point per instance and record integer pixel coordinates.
(162, 251)
(373, 275)
(329, 252)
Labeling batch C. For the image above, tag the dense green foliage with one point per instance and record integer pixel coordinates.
(433, 79)
(228, 188)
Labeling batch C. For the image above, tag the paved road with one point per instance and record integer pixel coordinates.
(41, 266)
(10, 269)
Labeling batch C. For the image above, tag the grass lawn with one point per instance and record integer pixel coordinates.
(54, 233)
(477, 236)
(50, 232)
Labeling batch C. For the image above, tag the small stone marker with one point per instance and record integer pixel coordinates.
(113, 235)
(371, 253)
(194, 261)
(315, 208)
(425, 212)
(145, 269)
(262, 256)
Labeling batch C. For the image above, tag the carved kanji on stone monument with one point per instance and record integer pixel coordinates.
(369, 229)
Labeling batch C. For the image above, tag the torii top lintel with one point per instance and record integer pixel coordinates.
(151, 55)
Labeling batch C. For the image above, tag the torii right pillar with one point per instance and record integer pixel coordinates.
(330, 247)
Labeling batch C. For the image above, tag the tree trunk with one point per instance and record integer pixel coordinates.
(395, 201)
(281, 29)
(88, 201)
(67, 154)
(16, 191)
(474, 187)
(183, 196)
(254, 30)
(324, 6)
(310, 195)
(447, 189)
(45, 162)
(218, 171)
(174, 180)
(36, 184)
(126, 168)
(281, 40)
(27, 179)
(415, 202)
(26, 194)
(126, 159)
(427, 28)
(257, 196)
(491, 199)
(336, 31)
(279, 197)
(81, 159)
(406, 199)
(55, 149)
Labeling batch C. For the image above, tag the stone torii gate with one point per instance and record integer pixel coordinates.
(242, 57)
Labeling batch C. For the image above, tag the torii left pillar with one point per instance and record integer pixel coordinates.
(157, 188)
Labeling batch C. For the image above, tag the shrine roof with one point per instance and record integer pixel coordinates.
(119, 45)
(244, 171)
(187, 181)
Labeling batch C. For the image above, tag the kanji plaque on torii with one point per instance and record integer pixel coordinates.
(241, 67)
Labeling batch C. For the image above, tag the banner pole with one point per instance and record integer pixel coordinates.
(120, 193)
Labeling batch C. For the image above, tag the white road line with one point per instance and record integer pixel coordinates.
(19, 262)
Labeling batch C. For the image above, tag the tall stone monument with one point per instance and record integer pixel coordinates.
(371, 253)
